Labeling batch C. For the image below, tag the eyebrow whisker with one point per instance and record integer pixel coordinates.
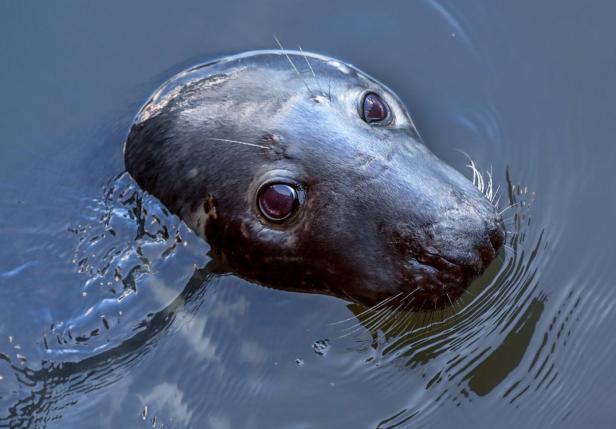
(284, 51)
(238, 142)
(311, 69)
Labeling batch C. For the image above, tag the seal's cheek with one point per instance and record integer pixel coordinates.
(272, 241)
(203, 214)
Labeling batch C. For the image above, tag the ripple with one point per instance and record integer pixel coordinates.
(123, 250)
(471, 348)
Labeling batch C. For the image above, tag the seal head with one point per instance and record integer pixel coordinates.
(304, 173)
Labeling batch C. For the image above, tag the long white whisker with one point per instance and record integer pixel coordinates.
(373, 317)
(399, 309)
(368, 320)
(397, 312)
(284, 51)
(366, 324)
(311, 69)
(490, 189)
(368, 310)
(495, 196)
(403, 317)
(237, 142)
(381, 321)
(481, 182)
(507, 208)
(469, 292)
(449, 299)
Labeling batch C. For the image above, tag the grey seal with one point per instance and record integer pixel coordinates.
(304, 173)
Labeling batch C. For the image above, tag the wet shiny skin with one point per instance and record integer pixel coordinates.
(381, 217)
(524, 87)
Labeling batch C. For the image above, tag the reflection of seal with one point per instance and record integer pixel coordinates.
(303, 173)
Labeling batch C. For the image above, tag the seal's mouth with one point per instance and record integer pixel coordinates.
(435, 281)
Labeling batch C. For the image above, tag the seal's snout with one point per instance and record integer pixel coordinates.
(441, 262)
(450, 234)
(472, 237)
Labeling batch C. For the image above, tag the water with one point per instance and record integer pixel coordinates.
(110, 319)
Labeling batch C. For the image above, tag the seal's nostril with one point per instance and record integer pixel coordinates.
(486, 253)
(497, 237)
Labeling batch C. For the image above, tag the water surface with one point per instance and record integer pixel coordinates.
(109, 317)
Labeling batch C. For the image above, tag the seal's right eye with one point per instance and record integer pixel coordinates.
(374, 109)
(277, 201)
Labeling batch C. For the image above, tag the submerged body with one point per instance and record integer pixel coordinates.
(303, 173)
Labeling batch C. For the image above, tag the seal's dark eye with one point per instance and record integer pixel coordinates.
(374, 108)
(277, 201)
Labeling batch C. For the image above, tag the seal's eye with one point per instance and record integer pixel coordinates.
(374, 108)
(277, 201)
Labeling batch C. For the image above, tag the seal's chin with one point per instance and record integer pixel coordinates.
(436, 283)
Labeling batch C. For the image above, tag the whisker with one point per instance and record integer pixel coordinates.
(403, 317)
(490, 189)
(495, 196)
(459, 303)
(381, 320)
(386, 318)
(307, 62)
(482, 183)
(238, 142)
(451, 303)
(510, 217)
(311, 69)
(358, 326)
(368, 310)
(368, 320)
(477, 176)
(398, 319)
(292, 64)
(374, 321)
(507, 208)
(486, 187)
(470, 293)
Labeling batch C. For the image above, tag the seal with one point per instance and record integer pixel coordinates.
(303, 173)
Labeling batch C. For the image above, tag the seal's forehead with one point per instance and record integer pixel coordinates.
(301, 65)
(258, 70)
(299, 62)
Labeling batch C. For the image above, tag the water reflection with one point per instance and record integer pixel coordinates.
(477, 343)
(124, 246)
(511, 84)
(59, 382)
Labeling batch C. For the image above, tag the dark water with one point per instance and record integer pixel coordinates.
(109, 318)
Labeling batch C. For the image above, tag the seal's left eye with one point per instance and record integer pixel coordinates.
(374, 109)
(277, 201)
